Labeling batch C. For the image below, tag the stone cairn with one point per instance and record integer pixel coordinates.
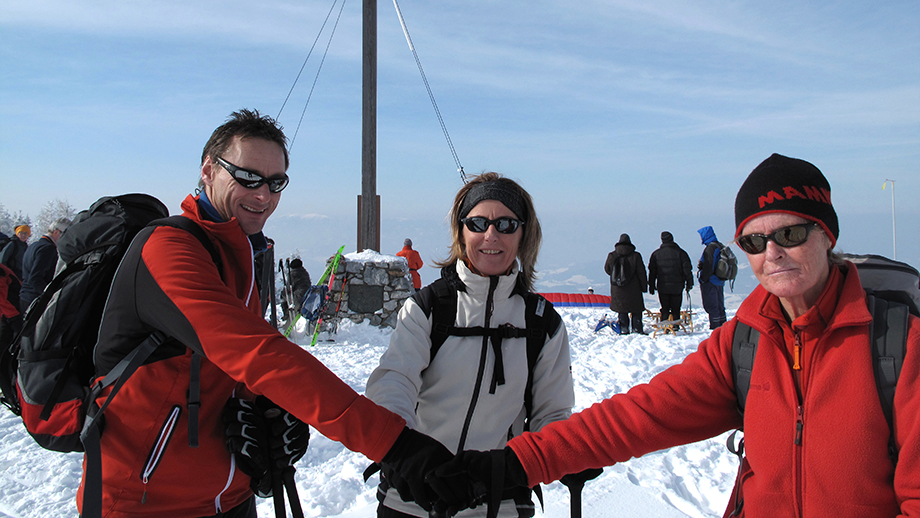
(369, 286)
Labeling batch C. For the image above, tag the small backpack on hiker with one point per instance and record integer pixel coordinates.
(892, 294)
(725, 268)
(621, 271)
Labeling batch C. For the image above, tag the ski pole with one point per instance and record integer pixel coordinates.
(576, 482)
(292, 305)
(575, 490)
(287, 476)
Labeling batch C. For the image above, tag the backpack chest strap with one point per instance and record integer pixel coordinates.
(495, 336)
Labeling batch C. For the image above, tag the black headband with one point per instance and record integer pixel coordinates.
(495, 190)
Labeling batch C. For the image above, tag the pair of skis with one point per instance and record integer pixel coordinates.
(328, 273)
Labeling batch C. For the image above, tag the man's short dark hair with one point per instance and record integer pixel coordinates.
(245, 124)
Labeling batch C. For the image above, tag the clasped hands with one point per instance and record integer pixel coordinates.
(422, 470)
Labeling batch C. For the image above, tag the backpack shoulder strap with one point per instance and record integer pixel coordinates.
(541, 320)
(888, 336)
(439, 302)
(186, 224)
(744, 348)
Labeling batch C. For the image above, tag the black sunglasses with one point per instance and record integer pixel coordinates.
(503, 225)
(786, 237)
(253, 180)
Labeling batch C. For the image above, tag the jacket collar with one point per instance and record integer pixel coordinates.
(841, 303)
(207, 216)
(461, 278)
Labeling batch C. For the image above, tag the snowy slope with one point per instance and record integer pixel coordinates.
(693, 480)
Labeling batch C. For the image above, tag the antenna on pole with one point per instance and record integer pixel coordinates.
(894, 232)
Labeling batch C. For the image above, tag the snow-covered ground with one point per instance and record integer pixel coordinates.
(693, 480)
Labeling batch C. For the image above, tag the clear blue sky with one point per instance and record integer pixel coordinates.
(617, 116)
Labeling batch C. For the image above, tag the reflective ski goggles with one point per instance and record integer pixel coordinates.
(786, 237)
(503, 225)
(253, 180)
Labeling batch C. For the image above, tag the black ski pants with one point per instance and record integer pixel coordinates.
(624, 319)
(670, 305)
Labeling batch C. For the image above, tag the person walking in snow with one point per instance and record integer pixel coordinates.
(474, 392)
(711, 287)
(414, 260)
(39, 261)
(811, 386)
(628, 281)
(670, 272)
(163, 453)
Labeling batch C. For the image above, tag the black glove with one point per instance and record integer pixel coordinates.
(247, 438)
(288, 436)
(465, 481)
(579, 479)
(411, 458)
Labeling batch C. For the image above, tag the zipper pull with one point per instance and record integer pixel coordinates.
(797, 354)
(144, 498)
(799, 424)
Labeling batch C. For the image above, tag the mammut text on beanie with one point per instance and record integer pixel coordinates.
(790, 186)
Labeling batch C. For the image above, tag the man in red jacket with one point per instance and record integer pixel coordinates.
(164, 454)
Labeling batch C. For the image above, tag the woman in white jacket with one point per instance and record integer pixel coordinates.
(471, 394)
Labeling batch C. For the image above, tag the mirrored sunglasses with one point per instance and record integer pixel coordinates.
(503, 225)
(786, 237)
(253, 180)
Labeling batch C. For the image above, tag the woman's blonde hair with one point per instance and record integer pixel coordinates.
(530, 240)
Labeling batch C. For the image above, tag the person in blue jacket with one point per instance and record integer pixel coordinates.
(711, 286)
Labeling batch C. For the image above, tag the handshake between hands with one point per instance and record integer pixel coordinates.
(424, 471)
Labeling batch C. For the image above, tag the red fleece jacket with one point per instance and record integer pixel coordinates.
(838, 468)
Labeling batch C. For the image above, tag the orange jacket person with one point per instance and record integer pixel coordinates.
(414, 260)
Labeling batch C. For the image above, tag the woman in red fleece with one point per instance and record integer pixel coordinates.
(816, 440)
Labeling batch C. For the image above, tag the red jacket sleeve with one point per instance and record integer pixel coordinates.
(688, 402)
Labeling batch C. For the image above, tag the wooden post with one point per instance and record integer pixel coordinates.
(375, 218)
(369, 210)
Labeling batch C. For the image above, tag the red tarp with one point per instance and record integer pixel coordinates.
(590, 300)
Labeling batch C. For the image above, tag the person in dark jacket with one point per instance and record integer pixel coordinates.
(711, 287)
(626, 289)
(11, 257)
(670, 272)
(163, 454)
(300, 283)
(39, 261)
